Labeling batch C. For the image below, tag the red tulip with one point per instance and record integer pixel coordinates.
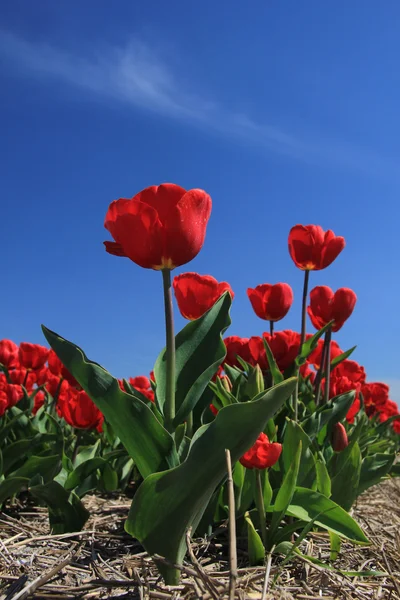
(38, 402)
(353, 410)
(212, 408)
(32, 356)
(196, 294)
(262, 454)
(236, 346)
(339, 437)
(8, 354)
(142, 385)
(312, 248)
(14, 394)
(271, 302)
(3, 402)
(23, 377)
(326, 305)
(78, 409)
(375, 395)
(257, 352)
(285, 346)
(162, 227)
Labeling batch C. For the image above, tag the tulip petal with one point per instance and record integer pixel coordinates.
(332, 250)
(185, 227)
(135, 226)
(114, 249)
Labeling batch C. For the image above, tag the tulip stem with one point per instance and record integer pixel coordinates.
(304, 308)
(328, 336)
(189, 425)
(302, 338)
(318, 379)
(261, 507)
(271, 328)
(169, 406)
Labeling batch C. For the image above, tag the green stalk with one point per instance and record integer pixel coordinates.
(328, 336)
(318, 379)
(260, 507)
(169, 407)
(302, 338)
(304, 308)
(271, 328)
(189, 425)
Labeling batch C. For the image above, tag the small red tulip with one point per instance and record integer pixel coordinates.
(8, 354)
(196, 294)
(285, 346)
(32, 356)
(3, 402)
(375, 396)
(78, 409)
(141, 383)
(38, 402)
(339, 437)
(353, 410)
(162, 227)
(262, 454)
(236, 346)
(312, 248)
(326, 305)
(271, 302)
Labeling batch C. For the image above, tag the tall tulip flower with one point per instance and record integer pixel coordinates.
(196, 294)
(160, 228)
(326, 305)
(312, 249)
(271, 302)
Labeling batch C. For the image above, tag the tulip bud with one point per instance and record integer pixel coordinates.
(339, 437)
(255, 382)
(226, 382)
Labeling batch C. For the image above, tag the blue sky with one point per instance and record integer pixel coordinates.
(285, 112)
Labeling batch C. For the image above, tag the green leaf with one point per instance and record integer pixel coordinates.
(395, 470)
(255, 546)
(109, 478)
(284, 496)
(166, 504)
(199, 352)
(11, 486)
(277, 376)
(323, 479)
(346, 475)
(294, 434)
(46, 466)
(306, 504)
(145, 439)
(374, 469)
(344, 356)
(336, 543)
(66, 511)
(311, 344)
(82, 471)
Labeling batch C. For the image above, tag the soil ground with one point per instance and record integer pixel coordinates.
(104, 562)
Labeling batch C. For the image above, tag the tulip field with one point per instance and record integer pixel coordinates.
(264, 443)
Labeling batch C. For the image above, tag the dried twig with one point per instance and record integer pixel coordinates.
(232, 528)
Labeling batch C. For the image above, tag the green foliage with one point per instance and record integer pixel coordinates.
(184, 492)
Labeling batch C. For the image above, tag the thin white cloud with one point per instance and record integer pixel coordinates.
(133, 75)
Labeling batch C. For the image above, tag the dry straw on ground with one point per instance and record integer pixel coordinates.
(103, 562)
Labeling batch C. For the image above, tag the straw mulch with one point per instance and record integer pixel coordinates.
(103, 562)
